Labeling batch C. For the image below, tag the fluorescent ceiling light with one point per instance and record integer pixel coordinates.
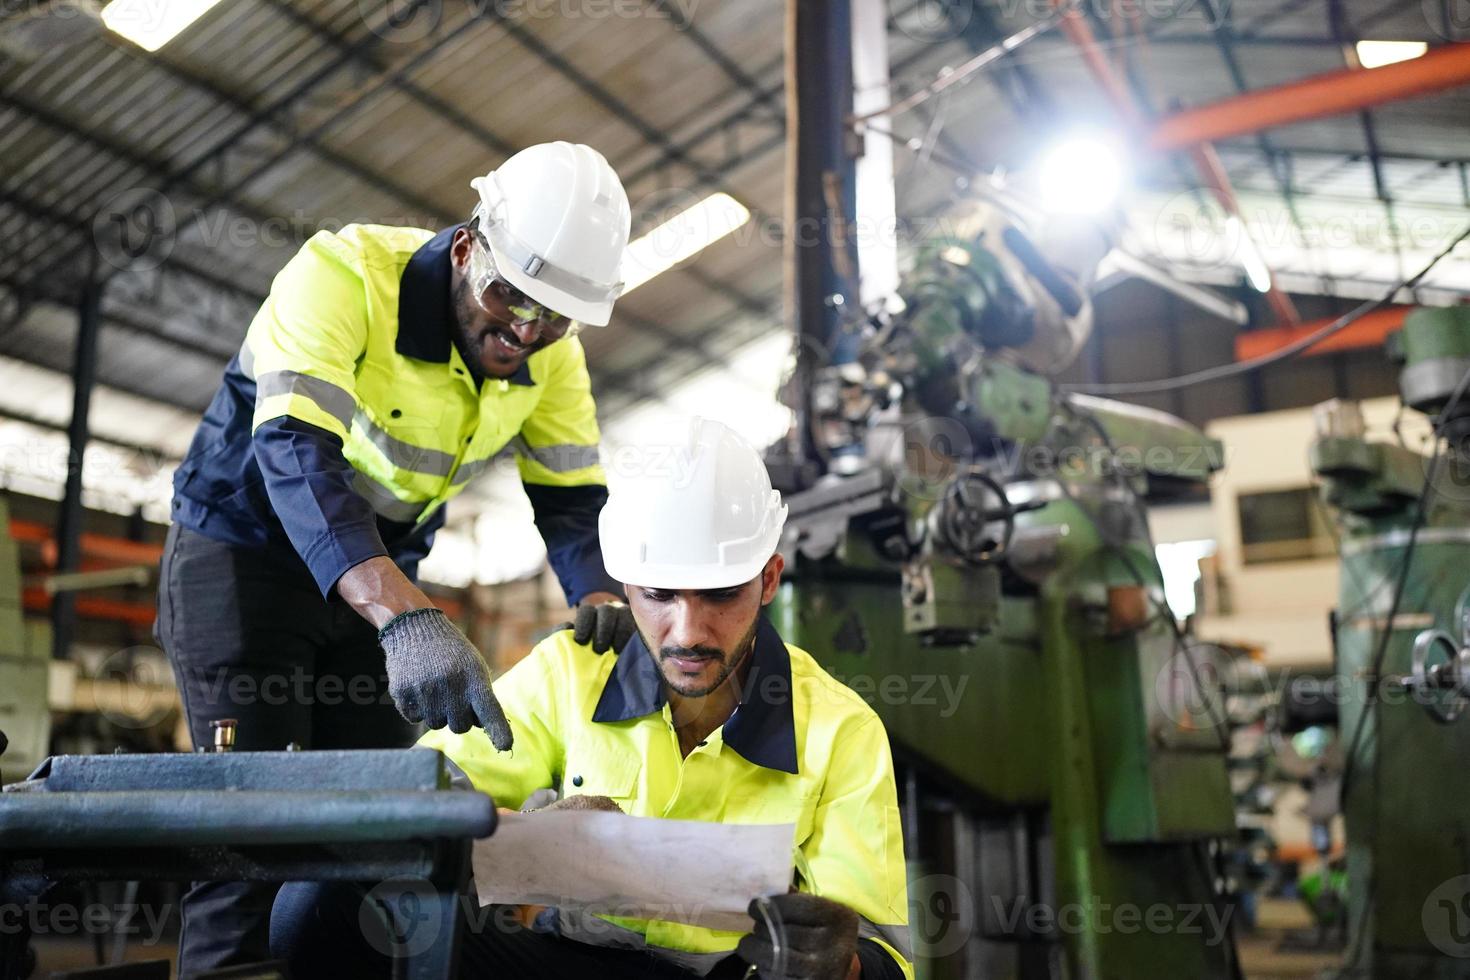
(1082, 175)
(150, 24)
(681, 236)
(1250, 256)
(1376, 54)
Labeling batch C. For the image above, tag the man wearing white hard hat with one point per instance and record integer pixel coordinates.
(705, 714)
(386, 369)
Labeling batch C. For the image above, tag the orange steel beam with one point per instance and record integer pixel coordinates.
(101, 546)
(1330, 94)
(134, 613)
(1206, 161)
(1370, 330)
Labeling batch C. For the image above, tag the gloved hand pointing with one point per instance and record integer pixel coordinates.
(435, 675)
(820, 938)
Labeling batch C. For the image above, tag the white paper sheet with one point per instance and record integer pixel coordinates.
(676, 870)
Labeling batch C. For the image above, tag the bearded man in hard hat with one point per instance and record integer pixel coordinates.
(705, 714)
(386, 369)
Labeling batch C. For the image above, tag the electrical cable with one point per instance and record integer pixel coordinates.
(1276, 356)
(1182, 645)
(991, 54)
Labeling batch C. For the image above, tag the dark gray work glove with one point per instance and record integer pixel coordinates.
(435, 675)
(820, 936)
(607, 626)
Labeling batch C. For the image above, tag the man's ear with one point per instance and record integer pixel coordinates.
(459, 248)
(771, 578)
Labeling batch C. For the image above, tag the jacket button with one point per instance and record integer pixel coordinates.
(396, 413)
(576, 780)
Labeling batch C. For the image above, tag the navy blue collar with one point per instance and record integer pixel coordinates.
(425, 319)
(763, 727)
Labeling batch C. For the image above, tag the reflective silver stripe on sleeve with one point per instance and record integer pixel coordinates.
(384, 503)
(247, 361)
(336, 402)
(405, 455)
(564, 458)
(899, 937)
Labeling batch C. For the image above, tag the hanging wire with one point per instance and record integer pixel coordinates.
(1276, 356)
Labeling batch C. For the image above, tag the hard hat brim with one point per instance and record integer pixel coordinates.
(557, 300)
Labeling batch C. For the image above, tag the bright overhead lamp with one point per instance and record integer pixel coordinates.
(1376, 54)
(686, 233)
(1081, 175)
(150, 24)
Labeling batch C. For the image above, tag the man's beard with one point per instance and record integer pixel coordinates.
(730, 662)
(471, 345)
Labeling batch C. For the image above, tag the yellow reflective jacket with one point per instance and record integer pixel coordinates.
(802, 748)
(349, 418)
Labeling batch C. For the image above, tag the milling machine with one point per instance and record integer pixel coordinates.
(976, 561)
(1401, 645)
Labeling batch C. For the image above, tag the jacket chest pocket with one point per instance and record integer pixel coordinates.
(774, 807)
(615, 777)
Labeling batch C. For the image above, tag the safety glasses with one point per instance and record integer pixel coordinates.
(497, 297)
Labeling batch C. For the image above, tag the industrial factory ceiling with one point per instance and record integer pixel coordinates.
(270, 119)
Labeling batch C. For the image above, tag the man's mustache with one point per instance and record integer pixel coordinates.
(691, 653)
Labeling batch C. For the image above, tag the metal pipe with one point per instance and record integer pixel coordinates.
(1329, 94)
(103, 579)
(1202, 297)
(69, 517)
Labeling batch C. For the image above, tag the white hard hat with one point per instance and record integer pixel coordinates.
(557, 220)
(698, 514)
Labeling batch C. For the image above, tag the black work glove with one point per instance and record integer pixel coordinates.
(820, 939)
(435, 675)
(607, 626)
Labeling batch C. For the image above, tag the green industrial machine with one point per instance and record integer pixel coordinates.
(1401, 630)
(977, 562)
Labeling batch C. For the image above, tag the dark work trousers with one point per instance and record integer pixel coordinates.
(251, 638)
(338, 929)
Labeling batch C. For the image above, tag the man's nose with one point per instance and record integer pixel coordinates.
(687, 627)
(527, 332)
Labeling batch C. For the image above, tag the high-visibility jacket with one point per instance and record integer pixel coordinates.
(801, 748)
(348, 418)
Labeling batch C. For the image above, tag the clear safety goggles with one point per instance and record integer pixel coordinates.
(495, 295)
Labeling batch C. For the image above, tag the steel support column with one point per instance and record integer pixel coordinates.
(69, 517)
(821, 274)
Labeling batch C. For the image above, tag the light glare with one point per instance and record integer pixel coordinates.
(1080, 176)
(691, 230)
(1376, 54)
(150, 24)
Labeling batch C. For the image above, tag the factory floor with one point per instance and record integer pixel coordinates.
(1279, 948)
